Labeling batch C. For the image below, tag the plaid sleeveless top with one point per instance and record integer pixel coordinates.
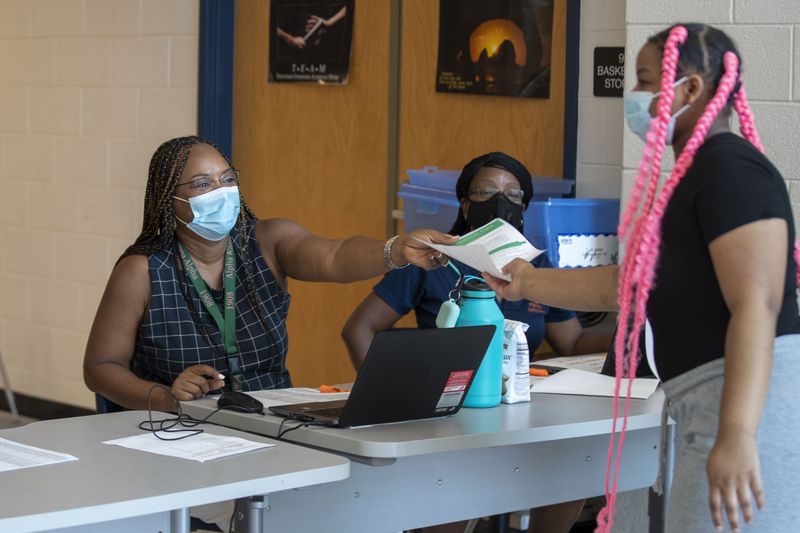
(170, 341)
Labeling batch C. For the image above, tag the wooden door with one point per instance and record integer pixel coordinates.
(448, 130)
(317, 155)
(320, 155)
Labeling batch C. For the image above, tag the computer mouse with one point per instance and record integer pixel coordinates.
(241, 402)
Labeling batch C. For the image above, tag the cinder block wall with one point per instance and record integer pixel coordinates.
(88, 89)
(600, 119)
(768, 35)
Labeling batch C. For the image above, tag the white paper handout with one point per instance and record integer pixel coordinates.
(14, 455)
(295, 395)
(490, 248)
(201, 447)
(590, 363)
(581, 382)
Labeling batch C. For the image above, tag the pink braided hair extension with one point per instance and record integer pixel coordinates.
(626, 344)
(651, 238)
(797, 260)
(747, 124)
(646, 255)
(748, 128)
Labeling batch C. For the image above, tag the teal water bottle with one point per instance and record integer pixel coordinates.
(478, 307)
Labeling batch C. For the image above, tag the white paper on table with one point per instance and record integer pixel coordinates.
(590, 363)
(490, 248)
(14, 455)
(574, 381)
(295, 395)
(201, 447)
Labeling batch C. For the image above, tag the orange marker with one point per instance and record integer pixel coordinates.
(541, 372)
(329, 388)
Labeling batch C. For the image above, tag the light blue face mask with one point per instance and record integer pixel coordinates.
(637, 112)
(215, 212)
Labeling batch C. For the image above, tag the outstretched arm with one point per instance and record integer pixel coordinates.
(299, 254)
(581, 289)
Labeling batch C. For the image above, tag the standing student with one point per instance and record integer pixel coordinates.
(710, 263)
(494, 185)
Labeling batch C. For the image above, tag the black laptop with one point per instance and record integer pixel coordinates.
(407, 374)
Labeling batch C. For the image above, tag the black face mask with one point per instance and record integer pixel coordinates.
(498, 206)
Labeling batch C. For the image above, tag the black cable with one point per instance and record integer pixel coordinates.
(233, 516)
(186, 423)
(282, 432)
(301, 424)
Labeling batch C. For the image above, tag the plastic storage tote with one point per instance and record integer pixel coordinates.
(427, 208)
(429, 197)
(576, 232)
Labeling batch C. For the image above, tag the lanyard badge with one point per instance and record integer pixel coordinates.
(226, 323)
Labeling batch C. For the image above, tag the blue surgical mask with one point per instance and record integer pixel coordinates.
(215, 212)
(637, 112)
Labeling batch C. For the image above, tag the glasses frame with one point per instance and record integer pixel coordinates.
(217, 179)
(518, 201)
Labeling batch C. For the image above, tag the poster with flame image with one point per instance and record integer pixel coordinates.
(499, 47)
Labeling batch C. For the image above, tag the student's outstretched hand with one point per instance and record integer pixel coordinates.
(195, 382)
(734, 480)
(518, 269)
(411, 248)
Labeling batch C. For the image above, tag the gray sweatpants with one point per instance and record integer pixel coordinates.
(694, 402)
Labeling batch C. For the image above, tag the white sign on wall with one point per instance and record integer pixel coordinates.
(587, 250)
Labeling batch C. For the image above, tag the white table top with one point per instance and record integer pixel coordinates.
(546, 417)
(110, 482)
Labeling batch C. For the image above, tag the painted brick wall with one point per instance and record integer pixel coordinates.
(600, 119)
(88, 89)
(767, 33)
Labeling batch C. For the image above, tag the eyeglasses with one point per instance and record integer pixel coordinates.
(205, 183)
(486, 193)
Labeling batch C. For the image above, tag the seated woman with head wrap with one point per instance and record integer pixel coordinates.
(494, 185)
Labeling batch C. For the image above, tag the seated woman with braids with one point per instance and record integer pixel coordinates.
(199, 301)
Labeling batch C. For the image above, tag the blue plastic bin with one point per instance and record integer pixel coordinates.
(427, 208)
(544, 188)
(546, 221)
(433, 178)
(445, 180)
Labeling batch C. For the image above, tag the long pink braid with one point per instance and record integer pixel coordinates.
(649, 172)
(647, 232)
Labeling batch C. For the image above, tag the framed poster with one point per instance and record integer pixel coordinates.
(310, 41)
(499, 47)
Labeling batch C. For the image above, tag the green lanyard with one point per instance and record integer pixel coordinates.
(226, 325)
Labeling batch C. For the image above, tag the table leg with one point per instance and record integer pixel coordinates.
(179, 520)
(500, 523)
(256, 506)
(657, 504)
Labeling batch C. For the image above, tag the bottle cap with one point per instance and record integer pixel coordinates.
(476, 287)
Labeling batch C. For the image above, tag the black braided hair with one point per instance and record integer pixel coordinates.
(702, 54)
(158, 225)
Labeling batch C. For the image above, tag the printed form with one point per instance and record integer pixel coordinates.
(490, 248)
(14, 455)
(201, 447)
